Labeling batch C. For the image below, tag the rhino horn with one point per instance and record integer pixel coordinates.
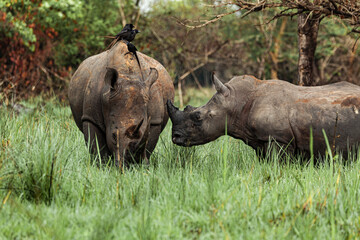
(133, 132)
(119, 157)
(153, 76)
(172, 110)
(219, 86)
(137, 128)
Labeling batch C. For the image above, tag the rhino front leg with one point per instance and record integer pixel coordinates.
(96, 140)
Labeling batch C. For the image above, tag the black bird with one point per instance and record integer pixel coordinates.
(127, 34)
(128, 28)
(132, 49)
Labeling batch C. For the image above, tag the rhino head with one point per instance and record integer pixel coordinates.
(125, 109)
(199, 125)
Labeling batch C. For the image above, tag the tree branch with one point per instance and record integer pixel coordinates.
(207, 22)
(123, 18)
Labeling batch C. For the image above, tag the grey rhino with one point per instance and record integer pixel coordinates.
(119, 108)
(256, 111)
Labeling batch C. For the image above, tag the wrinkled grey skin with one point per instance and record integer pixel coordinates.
(257, 111)
(119, 109)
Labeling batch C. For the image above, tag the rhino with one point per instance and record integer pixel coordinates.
(119, 106)
(257, 111)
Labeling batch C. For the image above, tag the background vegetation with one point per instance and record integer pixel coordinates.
(43, 41)
(50, 187)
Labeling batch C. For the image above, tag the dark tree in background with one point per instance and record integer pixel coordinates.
(42, 42)
(309, 14)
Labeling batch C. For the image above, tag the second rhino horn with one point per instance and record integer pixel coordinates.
(219, 86)
(172, 110)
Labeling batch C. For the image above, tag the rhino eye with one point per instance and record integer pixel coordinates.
(196, 116)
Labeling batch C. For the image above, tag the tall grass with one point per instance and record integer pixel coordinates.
(51, 188)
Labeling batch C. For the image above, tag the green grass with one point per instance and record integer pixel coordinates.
(51, 189)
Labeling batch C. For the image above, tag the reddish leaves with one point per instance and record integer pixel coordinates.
(24, 73)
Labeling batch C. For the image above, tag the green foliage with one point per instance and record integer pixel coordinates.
(20, 27)
(329, 39)
(59, 35)
(50, 188)
(43, 41)
(75, 26)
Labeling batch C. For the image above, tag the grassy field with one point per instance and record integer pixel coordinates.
(50, 188)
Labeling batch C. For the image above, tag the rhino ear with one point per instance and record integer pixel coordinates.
(219, 86)
(111, 77)
(153, 76)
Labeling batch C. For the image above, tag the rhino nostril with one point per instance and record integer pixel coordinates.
(176, 135)
(177, 138)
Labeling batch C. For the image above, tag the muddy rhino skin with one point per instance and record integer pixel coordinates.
(119, 109)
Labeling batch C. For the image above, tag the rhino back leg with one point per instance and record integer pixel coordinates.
(96, 139)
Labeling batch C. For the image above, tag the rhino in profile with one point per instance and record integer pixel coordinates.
(120, 109)
(256, 111)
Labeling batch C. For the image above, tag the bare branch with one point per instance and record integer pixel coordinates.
(340, 8)
(123, 18)
(207, 22)
(191, 70)
(137, 17)
(346, 10)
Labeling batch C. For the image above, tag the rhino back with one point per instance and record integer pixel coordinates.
(334, 108)
(286, 112)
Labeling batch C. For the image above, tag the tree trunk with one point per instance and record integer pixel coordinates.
(308, 27)
(275, 55)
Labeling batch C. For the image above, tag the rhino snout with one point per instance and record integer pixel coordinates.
(178, 138)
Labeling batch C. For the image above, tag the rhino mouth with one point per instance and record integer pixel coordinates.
(179, 139)
(135, 152)
(132, 154)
